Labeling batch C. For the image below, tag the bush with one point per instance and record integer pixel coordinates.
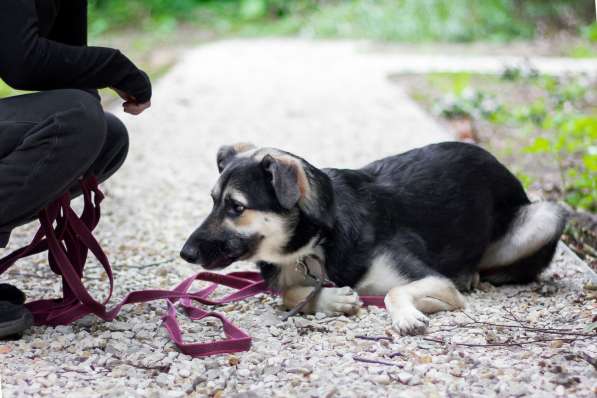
(553, 119)
(399, 20)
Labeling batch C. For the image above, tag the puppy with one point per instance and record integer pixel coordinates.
(415, 227)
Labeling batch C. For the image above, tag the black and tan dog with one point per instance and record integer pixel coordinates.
(415, 227)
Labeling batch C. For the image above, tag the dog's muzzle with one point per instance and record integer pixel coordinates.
(190, 253)
(213, 253)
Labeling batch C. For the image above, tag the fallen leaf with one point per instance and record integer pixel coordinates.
(422, 359)
(233, 361)
(218, 394)
(556, 344)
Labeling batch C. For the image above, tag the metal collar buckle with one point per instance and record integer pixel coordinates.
(303, 267)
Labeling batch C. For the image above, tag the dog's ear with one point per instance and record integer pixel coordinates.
(296, 182)
(285, 179)
(228, 152)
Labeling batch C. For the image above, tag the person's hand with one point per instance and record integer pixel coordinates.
(134, 108)
(130, 104)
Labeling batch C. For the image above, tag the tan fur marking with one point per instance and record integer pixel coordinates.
(246, 219)
(431, 294)
(293, 296)
(303, 183)
(447, 298)
(258, 154)
(243, 147)
(408, 304)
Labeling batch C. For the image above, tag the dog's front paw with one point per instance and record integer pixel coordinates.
(333, 300)
(409, 321)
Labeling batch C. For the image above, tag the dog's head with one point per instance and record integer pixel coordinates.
(261, 196)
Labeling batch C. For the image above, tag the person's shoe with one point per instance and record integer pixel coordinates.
(11, 294)
(14, 317)
(14, 320)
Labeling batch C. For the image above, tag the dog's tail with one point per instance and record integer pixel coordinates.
(527, 247)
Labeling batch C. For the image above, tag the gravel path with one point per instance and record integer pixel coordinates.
(332, 103)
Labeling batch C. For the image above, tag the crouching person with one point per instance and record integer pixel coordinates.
(52, 138)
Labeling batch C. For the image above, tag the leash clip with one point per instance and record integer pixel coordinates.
(302, 267)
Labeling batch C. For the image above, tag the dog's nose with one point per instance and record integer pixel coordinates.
(190, 253)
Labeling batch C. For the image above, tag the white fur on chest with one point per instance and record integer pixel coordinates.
(381, 277)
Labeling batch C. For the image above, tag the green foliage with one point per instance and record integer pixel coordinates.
(591, 327)
(468, 104)
(148, 14)
(513, 73)
(420, 20)
(462, 101)
(396, 20)
(454, 83)
(5, 90)
(582, 51)
(223, 16)
(568, 136)
(589, 32)
(524, 178)
(562, 123)
(252, 9)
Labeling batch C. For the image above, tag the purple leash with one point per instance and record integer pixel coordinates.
(68, 245)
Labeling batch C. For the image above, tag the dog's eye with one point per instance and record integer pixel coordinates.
(237, 207)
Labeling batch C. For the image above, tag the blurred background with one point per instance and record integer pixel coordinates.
(555, 27)
(153, 32)
(544, 127)
(397, 20)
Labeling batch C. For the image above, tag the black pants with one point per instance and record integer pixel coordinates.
(47, 141)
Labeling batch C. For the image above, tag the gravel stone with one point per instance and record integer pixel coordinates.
(163, 379)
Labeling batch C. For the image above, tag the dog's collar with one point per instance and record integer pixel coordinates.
(302, 266)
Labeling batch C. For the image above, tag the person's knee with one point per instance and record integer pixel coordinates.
(83, 123)
(118, 139)
(114, 151)
(117, 134)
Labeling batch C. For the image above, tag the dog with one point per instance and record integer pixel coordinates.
(419, 228)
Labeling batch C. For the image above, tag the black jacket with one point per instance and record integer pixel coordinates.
(43, 46)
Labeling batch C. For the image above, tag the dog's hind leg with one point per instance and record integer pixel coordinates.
(408, 304)
(527, 247)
